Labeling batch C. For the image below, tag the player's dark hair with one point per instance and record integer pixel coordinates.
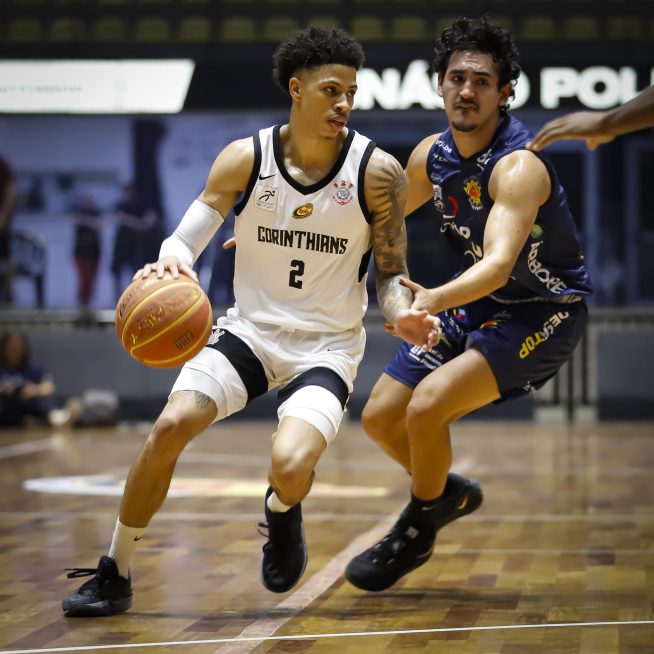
(4, 342)
(313, 47)
(480, 35)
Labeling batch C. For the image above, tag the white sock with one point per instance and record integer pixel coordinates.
(124, 545)
(276, 505)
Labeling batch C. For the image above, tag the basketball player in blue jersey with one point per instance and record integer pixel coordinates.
(312, 200)
(510, 318)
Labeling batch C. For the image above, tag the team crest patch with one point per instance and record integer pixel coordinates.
(266, 197)
(304, 211)
(215, 337)
(472, 187)
(343, 193)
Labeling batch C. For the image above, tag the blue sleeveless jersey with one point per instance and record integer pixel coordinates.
(551, 264)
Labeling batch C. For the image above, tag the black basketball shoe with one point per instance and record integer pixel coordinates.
(106, 594)
(406, 546)
(285, 554)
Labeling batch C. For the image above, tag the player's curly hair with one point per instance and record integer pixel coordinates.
(313, 47)
(480, 35)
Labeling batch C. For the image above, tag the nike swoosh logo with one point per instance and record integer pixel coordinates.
(267, 176)
(463, 504)
(139, 538)
(428, 508)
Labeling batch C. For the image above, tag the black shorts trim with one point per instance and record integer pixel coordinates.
(323, 377)
(245, 362)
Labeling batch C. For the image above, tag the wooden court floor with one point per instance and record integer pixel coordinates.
(560, 558)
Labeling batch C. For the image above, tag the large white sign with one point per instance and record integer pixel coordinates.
(596, 87)
(94, 87)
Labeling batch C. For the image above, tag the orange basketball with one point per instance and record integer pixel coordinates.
(163, 322)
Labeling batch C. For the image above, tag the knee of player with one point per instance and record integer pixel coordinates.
(423, 413)
(167, 438)
(290, 472)
(374, 422)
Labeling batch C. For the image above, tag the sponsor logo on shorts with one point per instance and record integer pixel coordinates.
(543, 275)
(540, 337)
(215, 337)
(431, 359)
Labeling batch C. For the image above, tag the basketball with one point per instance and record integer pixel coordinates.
(163, 322)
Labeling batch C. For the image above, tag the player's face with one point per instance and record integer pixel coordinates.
(326, 95)
(470, 90)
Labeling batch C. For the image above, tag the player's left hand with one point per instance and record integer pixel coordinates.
(416, 327)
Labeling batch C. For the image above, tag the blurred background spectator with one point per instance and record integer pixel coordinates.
(88, 221)
(135, 219)
(26, 390)
(7, 203)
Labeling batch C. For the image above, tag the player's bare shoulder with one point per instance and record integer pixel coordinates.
(233, 166)
(418, 158)
(420, 188)
(520, 171)
(385, 185)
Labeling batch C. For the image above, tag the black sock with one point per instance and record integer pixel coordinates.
(423, 513)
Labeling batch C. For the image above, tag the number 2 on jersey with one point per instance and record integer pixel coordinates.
(297, 270)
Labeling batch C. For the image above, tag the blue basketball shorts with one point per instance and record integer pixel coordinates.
(525, 344)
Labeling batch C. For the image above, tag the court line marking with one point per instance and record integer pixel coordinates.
(397, 632)
(320, 582)
(264, 461)
(29, 447)
(192, 456)
(348, 517)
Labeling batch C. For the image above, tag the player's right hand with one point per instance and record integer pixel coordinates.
(167, 263)
(581, 125)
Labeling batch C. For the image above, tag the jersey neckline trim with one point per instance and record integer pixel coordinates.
(311, 188)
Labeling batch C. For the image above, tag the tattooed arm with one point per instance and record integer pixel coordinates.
(386, 196)
(386, 191)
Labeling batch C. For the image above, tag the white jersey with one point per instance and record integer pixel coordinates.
(302, 251)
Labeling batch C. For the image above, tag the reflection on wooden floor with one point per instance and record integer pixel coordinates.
(560, 558)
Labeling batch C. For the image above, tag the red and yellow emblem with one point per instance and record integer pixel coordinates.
(303, 211)
(473, 189)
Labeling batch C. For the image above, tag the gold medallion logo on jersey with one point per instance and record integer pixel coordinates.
(472, 187)
(343, 193)
(304, 211)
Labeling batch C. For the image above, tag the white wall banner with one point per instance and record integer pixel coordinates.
(94, 87)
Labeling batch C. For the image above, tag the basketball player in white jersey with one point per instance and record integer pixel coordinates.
(312, 200)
